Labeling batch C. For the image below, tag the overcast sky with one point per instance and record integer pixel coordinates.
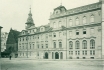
(14, 13)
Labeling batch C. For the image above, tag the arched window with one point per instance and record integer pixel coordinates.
(54, 44)
(54, 34)
(77, 45)
(59, 24)
(54, 25)
(60, 44)
(84, 20)
(84, 44)
(70, 45)
(92, 18)
(77, 21)
(70, 22)
(92, 44)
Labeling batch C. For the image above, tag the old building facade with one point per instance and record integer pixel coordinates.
(71, 34)
(4, 36)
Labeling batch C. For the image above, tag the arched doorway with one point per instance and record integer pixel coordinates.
(46, 55)
(56, 55)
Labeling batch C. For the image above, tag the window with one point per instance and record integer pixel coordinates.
(46, 36)
(77, 21)
(84, 44)
(92, 18)
(33, 37)
(23, 45)
(77, 32)
(60, 44)
(41, 36)
(92, 52)
(54, 44)
(33, 46)
(77, 52)
(46, 45)
(30, 46)
(59, 34)
(92, 44)
(70, 22)
(42, 45)
(41, 29)
(84, 20)
(59, 24)
(84, 32)
(70, 52)
(54, 34)
(77, 45)
(70, 33)
(38, 45)
(85, 52)
(54, 25)
(70, 45)
(23, 38)
(92, 31)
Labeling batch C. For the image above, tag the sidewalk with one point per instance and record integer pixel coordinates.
(54, 59)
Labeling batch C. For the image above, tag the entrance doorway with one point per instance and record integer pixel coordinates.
(56, 55)
(46, 55)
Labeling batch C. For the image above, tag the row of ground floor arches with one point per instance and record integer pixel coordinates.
(86, 54)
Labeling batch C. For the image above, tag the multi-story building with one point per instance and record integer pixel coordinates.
(4, 36)
(71, 34)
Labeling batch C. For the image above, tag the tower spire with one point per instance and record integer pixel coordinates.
(61, 3)
(30, 21)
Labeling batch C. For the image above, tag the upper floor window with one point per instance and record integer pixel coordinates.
(41, 36)
(70, 22)
(84, 31)
(77, 21)
(92, 44)
(77, 32)
(59, 24)
(70, 33)
(54, 34)
(84, 44)
(92, 30)
(54, 25)
(54, 43)
(84, 20)
(60, 44)
(46, 36)
(77, 45)
(60, 34)
(92, 18)
(46, 45)
(70, 45)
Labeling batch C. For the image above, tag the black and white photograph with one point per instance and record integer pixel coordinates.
(51, 34)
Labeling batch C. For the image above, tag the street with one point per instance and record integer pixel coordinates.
(20, 64)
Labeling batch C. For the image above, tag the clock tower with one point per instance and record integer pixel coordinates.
(30, 21)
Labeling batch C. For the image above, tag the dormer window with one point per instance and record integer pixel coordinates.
(41, 29)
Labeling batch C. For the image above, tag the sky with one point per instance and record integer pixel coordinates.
(14, 13)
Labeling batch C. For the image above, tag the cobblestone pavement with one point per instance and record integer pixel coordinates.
(23, 64)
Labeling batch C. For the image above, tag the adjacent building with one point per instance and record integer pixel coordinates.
(4, 36)
(12, 43)
(70, 34)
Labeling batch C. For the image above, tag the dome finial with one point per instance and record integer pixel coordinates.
(61, 3)
(30, 8)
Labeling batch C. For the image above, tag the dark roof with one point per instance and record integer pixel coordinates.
(13, 37)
